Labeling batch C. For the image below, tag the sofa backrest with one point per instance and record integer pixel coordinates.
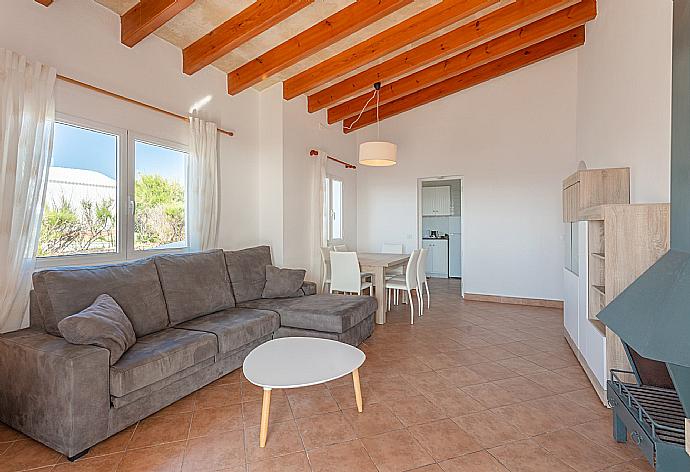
(194, 284)
(247, 269)
(135, 286)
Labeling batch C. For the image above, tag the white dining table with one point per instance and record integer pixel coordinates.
(378, 264)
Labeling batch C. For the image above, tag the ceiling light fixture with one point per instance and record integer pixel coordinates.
(376, 153)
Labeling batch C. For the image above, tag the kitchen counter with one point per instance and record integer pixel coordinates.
(435, 239)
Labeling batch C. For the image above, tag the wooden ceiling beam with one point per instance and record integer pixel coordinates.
(250, 22)
(45, 3)
(412, 29)
(494, 24)
(334, 28)
(552, 25)
(146, 17)
(530, 55)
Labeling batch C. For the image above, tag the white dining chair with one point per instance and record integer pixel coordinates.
(340, 248)
(345, 274)
(393, 248)
(421, 279)
(326, 261)
(407, 282)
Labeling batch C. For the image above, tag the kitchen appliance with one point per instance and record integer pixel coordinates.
(652, 316)
(433, 234)
(454, 246)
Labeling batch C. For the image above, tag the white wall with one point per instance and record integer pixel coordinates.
(513, 141)
(624, 94)
(81, 38)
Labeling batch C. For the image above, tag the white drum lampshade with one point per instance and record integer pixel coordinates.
(378, 154)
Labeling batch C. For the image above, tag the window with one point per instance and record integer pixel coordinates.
(333, 202)
(112, 195)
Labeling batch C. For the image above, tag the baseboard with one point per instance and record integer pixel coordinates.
(477, 297)
(590, 375)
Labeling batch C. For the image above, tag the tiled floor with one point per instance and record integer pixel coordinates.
(471, 387)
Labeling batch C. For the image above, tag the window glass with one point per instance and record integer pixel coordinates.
(80, 213)
(160, 200)
(337, 210)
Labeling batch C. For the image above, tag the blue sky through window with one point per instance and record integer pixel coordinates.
(81, 148)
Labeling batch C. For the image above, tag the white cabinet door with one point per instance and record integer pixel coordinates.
(429, 245)
(440, 258)
(443, 197)
(428, 195)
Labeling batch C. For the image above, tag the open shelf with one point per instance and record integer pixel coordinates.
(600, 289)
(599, 255)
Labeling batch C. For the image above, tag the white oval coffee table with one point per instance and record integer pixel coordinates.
(300, 362)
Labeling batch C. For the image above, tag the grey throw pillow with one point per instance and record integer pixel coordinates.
(102, 324)
(283, 283)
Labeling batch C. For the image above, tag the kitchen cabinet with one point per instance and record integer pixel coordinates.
(436, 201)
(437, 258)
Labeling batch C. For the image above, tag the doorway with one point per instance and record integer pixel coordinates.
(440, 224)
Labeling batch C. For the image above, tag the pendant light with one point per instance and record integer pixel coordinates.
(376, 153)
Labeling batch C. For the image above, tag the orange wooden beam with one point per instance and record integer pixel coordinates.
(45, 3)
(334, 28)
(494, 24)
(540, 30)
(146, 17)
(530, 55)
(250, 22)
(412, 29)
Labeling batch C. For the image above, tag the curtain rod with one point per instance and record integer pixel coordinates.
(131, 100)
(347, 165)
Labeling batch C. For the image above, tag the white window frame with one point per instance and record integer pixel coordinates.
(125, 197)
(329, 210)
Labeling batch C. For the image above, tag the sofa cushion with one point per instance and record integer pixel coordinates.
(235, 327)
(102, 324)
(158, 356)
(247, 269)
(135, 286)
(194, 284)
(325, 312)
(283, 283)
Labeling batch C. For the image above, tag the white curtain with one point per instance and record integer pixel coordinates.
(202, 172)
(27, 118)
(318, 212)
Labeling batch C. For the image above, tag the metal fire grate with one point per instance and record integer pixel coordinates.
(657, 410)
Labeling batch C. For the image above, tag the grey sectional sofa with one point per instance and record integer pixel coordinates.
(196, 317)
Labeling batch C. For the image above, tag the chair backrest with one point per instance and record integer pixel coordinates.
(421, 267)
(340, 248)
(345, 273)
(411, 271)
(326, 260)
(392, 248)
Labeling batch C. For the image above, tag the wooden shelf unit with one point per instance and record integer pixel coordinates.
(591, 187)
(624, 241)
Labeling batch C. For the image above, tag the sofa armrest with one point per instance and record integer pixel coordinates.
(309, 288)
(54, 391)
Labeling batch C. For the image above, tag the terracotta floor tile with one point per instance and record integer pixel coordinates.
(27, 454)
(345, 457)
(568, 412)
(454, 402)
(283, 438)
(314, 402)
(551, 361)
(159, 430)
(465, 357)
(223, 395)
(427, 382)
(600, 432)
(489, 429)
(640, 465)
(490, 371)
(444, 439)
(163, 458)
(524, 389)
(490, 395)
(390, 388)
(324, 430)
(555, 382)
(297, 462)
(527, 456)
(108, 463)
(116, 443)
(529, 419)
(577, 451)
(375, 419)
(521, 366)
(280, 411)
(588, 398)
(5, 446)
(345, 395)
(215, 420)
(415, 410)
(210, 453)
(233, 377)
(428, 468)
(184, 405)
(9, 434)
(396, 451)
(520, 349)
(461, 376)
(476, 462)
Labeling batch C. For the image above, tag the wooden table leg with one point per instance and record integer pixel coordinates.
(358, 389)
(265, 408)
(380, 285)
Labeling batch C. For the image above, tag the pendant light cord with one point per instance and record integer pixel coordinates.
(376, 94)
(378, 123)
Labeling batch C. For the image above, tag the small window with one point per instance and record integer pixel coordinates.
(81, 214)
(160, 197)
(333, 204)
